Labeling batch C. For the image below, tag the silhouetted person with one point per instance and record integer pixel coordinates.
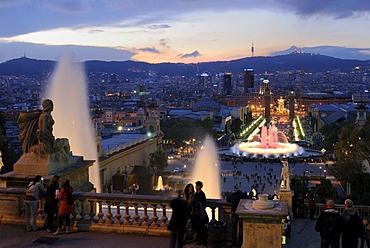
(366, 236)
(353, 227)
(236, 224)
(311, 207)
(51, 202)
(330, 226)
(177, 224)
(199, 218)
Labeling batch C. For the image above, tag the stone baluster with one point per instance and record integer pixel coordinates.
(91, 210)
(118, 213)
(100, 214)
(136, 216)
(155, 217)
(84, 210)
(109, 213)
(213, 212)
(164, 216)
(76, 214)
(145, 215)
(127, 214)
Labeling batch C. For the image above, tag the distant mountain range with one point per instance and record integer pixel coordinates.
(294, 61)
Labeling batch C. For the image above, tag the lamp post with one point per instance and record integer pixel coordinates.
(304, 178)
(325, 174)
(320, 170)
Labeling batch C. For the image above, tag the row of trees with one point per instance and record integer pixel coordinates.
(179, 130)
(350, 145)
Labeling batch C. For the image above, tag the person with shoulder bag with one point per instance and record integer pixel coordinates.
(34, 190)
(65, 207)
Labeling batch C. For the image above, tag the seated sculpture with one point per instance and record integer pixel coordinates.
(37, 134)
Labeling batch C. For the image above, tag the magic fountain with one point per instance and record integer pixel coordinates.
(271, 143)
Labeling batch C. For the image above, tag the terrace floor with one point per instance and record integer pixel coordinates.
(303, 235)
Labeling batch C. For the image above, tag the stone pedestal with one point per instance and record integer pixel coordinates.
(28, 166)
(287, 196)
(262, 227)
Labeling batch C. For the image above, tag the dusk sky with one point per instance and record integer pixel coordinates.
(180, 30)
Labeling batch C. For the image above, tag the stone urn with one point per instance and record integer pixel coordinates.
(263, 202)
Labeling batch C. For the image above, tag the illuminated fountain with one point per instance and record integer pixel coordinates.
(271, 143)
(207, 169)
(160, 184)
(68, 91)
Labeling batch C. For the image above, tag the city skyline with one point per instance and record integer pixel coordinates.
(181, 30)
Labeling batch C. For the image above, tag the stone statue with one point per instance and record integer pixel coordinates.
(285, 180)
(37, 134)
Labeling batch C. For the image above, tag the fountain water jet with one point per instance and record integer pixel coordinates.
(68, 91)
(160, 184)
(207, 169)
(271, 143)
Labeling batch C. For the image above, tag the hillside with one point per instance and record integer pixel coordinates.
(305, 62)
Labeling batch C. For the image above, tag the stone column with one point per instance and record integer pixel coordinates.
(286, 196)
(262, 227)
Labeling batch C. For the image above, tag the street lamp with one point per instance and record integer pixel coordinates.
(325, 174)
(320, 170)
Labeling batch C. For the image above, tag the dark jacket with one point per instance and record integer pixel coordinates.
(352, 223)
(179, 214)
(51, 200)
(200, 196)
(335, 228)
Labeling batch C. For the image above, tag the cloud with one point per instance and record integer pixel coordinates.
(191, 55)
(338, 9)
(80, 53)
(94, 31)
(159, 26)
(149, 49)
(164, 42)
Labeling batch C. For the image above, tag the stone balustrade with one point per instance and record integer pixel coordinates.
(102, 212)
(319, 207)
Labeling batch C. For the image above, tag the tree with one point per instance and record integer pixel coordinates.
(325, 191)
(183, 129)
(351, 151)
(236, 126)
(330, 133)
(157, 161)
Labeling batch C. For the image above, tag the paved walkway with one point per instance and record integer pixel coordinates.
(13, 236)
(303, 234)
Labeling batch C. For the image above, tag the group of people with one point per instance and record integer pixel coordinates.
(345, 228)
(188, 213)
(58, 203)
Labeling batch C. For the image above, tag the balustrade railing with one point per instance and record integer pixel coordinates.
(104, 212)
(303, 211)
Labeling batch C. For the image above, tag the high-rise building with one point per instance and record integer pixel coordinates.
(264, 85)
(204, 80)
(291, 103)
(248, 80)
(226, 83)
